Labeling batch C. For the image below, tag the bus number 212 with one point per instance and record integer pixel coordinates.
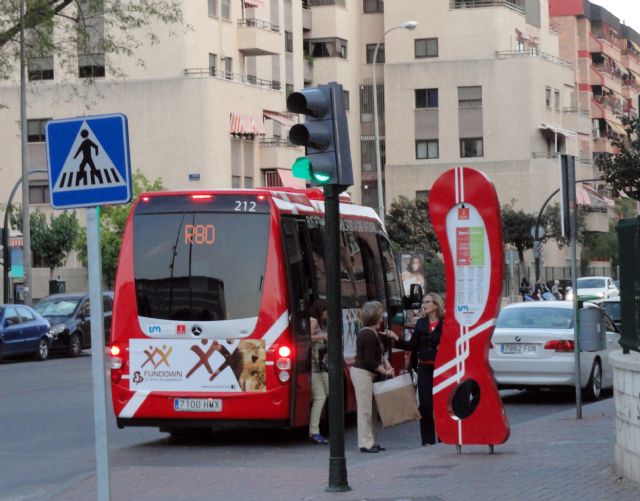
(199, 234)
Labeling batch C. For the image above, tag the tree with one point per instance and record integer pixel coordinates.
(517, 226)
(108, 27)
(113, 219)
(409, 227)
(51, 240)
(551, 222)
(600, 245)
(622, 171)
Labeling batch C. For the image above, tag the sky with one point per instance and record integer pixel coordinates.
(626, 10)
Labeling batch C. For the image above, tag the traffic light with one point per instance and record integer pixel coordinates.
(324, 134)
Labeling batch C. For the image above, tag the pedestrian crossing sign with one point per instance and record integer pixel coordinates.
(88, 161)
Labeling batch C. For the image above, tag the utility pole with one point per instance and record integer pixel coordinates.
(26, 225)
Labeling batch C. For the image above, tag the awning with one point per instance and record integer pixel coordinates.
(253, 3)
(243, 125)
(278, 117)
(582, 195)
(558, 130)
(288, 181)
(617, 128)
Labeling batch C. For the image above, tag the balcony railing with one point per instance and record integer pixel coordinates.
(517, 5)
(533, 53)
(614, 73)
(576, 109)
(232, 77)
(544, 154)
(258, 23)
(276, 142)
(631, 83)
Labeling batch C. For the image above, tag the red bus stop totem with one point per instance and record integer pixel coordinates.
(465, 215)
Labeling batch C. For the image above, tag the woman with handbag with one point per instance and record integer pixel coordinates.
(424, 343)
(369, 364)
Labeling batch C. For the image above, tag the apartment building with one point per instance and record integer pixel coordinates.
(208, 109)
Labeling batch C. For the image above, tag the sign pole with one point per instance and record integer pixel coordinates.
(337, 461)
(98, 353)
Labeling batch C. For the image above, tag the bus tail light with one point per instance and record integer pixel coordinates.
(283, 363)
(116, 363)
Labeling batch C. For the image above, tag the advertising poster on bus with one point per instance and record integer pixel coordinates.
(205, 365)
(411, 265)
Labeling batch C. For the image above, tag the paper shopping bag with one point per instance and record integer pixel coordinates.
(396, 400)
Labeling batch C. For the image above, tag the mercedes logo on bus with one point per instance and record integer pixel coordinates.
(196, 330)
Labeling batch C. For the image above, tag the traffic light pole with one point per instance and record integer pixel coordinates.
(337, 461)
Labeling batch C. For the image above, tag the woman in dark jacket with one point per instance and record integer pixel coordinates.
(424, 344)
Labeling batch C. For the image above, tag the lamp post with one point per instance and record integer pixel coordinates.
(408, 25)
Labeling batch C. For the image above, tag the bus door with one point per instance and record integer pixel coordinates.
(394, 300)
(300, 285)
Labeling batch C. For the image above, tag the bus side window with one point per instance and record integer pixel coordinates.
(391, 277)
(298, 266)
(319, 277)
(371, 268)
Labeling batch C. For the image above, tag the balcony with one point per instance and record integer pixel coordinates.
(603, 145)
(631, 60)
(277, 152)
(517, 5)
(307, 17)
(231, 77)
(259, 38)
(503, 54)
(610, 47)
(602, 75)
(596, 220)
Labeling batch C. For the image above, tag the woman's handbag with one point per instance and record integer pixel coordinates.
(396, 400)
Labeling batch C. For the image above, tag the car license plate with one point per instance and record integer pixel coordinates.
(513, 348)
(197, 404)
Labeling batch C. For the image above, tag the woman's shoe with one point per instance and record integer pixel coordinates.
(379, 447)
(319, 439)
(371, 450)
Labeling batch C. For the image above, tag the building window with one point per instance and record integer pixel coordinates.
(228, 67)
(368, 154)
(235, 181)
(36, 130)
(248, 182)
(313, 3)
(213, 8)
(90, 65)
(39, 193)
(423, 195)
(469, 96)
(225, 9)
(41, 68)
(345, 98)
(556, 99)
(326, 47)
(426, 98)
(373, 6)
(471, 147)
(426, 47)
(547, 97)
(371, 48)
(213, 62)
(427, 148)
(288, 89)
(288, 41)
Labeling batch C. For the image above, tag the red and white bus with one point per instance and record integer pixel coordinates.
(212, 294)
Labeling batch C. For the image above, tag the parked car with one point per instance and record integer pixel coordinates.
(23, 331)
(594, 288)
(612, 307)
(533, 347)
(69, 316)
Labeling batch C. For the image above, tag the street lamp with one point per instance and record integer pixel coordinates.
(408, 25)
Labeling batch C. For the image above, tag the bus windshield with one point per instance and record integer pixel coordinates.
(203, 266)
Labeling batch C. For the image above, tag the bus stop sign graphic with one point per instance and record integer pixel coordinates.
(88, 161)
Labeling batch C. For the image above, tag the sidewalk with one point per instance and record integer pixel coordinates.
(553, 458)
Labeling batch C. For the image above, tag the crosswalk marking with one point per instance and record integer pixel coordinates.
(106, 175)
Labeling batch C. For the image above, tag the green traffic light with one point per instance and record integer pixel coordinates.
(303, 169)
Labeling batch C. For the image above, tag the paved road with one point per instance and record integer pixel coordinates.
(46, 430)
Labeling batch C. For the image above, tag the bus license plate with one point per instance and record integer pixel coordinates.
(197, 404)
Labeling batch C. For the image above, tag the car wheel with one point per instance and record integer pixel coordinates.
(594, 386)
(75, 345)
(43, 350)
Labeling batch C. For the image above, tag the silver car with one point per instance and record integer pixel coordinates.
(533, 347)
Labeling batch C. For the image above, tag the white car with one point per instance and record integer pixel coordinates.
(594, 288)
(533, 347)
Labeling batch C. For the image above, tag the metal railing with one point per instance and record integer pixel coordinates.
(517, 5)
(544, 154)
(533, 53)
(276, 142)
(252, 22)
(232, 77)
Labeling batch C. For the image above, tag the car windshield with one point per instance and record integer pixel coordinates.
(57, 307)
(590, 283)
(535, 318)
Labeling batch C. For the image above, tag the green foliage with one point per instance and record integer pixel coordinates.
(551, 222)
(409, 227)
(600, 245)
(622, 171)
(516, 228)
(113, 219)
(128, 24)
(51, 239)
(434, 271)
